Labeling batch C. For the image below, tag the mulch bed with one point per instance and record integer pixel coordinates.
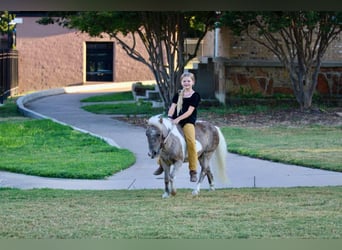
(291, 117)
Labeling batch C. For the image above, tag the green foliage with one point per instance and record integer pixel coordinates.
(275, 21)
(95, 22)
(5, 19)
(112, 22)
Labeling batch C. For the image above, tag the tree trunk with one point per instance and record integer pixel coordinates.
(304, 83)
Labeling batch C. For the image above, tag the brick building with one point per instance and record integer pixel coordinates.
(51, 56)
(241, 65)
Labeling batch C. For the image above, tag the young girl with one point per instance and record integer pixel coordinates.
(183, 111)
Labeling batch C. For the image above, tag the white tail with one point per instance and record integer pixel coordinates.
(218, 161)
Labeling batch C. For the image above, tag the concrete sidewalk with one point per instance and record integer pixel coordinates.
(242, 171)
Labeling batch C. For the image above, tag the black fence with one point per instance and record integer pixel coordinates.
(8, 73)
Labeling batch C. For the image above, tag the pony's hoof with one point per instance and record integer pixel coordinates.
(173, 192)
(195, 192)
(212, 188)
(165, 195)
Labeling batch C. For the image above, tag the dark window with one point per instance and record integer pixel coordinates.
(99, 62)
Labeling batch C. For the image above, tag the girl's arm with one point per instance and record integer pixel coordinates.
(172, 110)
(185, 115)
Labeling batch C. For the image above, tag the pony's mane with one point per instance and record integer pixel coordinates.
(155, 121)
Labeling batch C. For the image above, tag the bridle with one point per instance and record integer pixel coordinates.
(168, 135)
(165, 133)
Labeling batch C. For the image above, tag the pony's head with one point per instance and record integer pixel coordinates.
(154, 139)
(156, 132)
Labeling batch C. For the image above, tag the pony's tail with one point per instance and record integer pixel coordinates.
(219, 158)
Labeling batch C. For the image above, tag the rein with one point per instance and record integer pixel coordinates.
(167, 136)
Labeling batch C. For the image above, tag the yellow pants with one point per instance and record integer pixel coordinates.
(189, 134)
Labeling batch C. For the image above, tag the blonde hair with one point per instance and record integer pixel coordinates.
(181, 92)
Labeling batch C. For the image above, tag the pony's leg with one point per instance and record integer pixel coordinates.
(174, 171)
(205, 171)
(205, 161)
(210, 179)
(199, 182)
(167, 180)
(197, 188)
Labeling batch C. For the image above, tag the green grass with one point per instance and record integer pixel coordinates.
(312, 146)
(291, 213)
(136, 108)
(45, 148)
(117, 96)
(9, 109)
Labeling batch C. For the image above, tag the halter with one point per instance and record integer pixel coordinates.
(168, 135)
(157, 121)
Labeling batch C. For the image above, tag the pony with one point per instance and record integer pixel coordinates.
(166, 141)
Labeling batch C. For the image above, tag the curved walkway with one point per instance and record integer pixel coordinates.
(65, 108)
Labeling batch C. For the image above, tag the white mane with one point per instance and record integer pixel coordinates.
(155, 120)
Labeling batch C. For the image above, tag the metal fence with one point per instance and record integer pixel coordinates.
(8, 73)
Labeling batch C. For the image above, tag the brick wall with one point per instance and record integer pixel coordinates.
(51, 56)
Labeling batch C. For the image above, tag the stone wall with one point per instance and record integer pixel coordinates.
(246, 67)
(330, 81)
(243, 48)
(267, 78)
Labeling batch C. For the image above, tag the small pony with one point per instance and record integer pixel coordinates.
(166, 140)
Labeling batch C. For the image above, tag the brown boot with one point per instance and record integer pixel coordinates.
(193, 176)
(158, 171)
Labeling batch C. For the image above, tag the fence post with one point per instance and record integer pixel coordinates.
(8, 73)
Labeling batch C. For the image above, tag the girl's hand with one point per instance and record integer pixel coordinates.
(175, 121)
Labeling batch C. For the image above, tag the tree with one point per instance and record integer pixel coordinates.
(299, 39)
(162, 34)
(5, 24)
(5, 19)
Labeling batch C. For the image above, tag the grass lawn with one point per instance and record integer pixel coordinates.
(136, 108)
(312, 146)
(45, 148)
(117, 96)
(291, 213)
(139, 108)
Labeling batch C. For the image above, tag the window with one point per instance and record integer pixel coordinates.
(99, 61)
